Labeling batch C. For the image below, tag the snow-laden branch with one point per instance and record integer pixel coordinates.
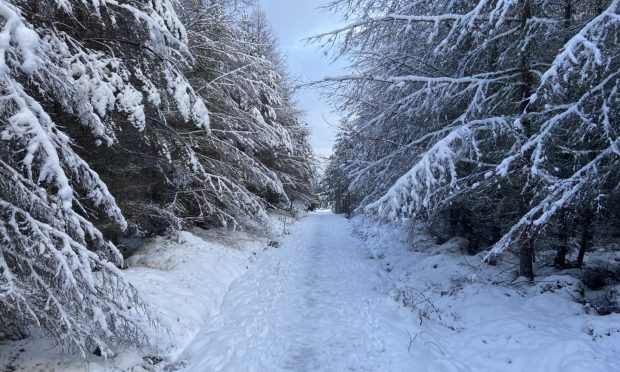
(47, 266)
(498, 16)
(562, 193)
(582, 51)
(488, 78)
(416, 191)
(46, 148)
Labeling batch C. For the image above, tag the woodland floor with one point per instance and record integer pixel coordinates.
(332, 294)
(339, 295)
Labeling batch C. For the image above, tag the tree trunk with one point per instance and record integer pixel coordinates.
(586, 236)
(560, 257)
(526, 253)
(526, 71)
(526, 259)
(568, 13)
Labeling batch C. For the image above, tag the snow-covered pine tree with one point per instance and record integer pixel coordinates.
(337, 178)
(225, 75)
(256, 129)
(56, 269)
(292, 160)
(412, 95)
(573, 152)
(146, 165)
(96, 103)
(479, 99)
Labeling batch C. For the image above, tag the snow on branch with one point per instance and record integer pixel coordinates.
(46, 148)
(46, 267)
(495, 77)
(498, 16)
(562, 193)
(417, 191)
(582, 53)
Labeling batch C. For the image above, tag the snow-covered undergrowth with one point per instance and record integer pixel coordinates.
(484, 318)
(182, 279)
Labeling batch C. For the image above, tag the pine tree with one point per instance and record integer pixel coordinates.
(52, 256)
(473, 108)
(106, 132)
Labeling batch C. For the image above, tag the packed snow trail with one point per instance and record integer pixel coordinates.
(317, 303)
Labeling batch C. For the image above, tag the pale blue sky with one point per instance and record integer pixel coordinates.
(293, 21)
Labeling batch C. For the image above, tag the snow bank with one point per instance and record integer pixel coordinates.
(480, 318)
(183, 280)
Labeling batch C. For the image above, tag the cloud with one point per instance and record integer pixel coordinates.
(294, 21)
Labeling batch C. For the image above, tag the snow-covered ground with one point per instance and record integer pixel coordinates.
(339, 295)
(482, 318)
(183, 279)
(318, 303)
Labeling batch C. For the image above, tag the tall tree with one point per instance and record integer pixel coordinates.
(52, 256)
(470, 102)
(103, 132)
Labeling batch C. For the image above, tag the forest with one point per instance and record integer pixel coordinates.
(496, 121)
(159, 186)
(124, 119)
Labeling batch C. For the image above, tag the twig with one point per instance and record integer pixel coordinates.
(411, 339)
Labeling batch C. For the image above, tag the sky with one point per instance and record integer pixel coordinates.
(293, 21)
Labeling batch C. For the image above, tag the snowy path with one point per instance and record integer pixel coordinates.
(317, 303)
(320, 303)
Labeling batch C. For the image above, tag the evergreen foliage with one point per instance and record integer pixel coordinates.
(131, 117)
